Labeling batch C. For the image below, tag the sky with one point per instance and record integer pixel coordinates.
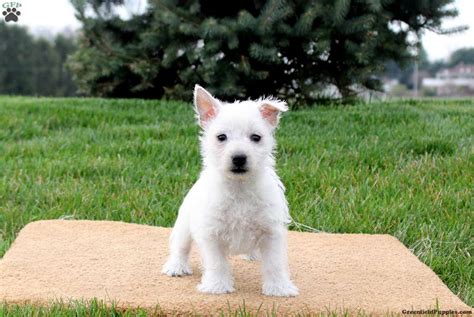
(441, 46)
(53, 16)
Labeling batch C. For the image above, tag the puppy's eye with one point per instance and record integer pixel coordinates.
(255, 138)
(222, 137)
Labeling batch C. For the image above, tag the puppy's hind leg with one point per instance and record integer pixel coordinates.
(180, 246)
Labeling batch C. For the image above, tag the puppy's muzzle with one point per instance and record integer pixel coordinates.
(239, 163)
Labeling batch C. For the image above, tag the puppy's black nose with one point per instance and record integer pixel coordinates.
(239, 160)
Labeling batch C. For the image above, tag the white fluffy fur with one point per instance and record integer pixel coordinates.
(227, 213)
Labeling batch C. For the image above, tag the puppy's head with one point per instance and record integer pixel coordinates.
(237, 138)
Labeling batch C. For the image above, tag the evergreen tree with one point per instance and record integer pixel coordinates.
(248, 48)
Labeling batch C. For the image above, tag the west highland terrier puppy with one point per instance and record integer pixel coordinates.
(238, 205)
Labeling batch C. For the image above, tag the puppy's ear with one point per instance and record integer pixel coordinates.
(205, 105)
(270, 109)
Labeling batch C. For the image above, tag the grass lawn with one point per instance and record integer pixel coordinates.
(404, 168)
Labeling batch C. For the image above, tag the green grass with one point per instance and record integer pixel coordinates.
(73, 309)
(101, 309)
(404, 168)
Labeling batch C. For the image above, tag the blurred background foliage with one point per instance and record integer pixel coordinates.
(302, 51)
(34, 66)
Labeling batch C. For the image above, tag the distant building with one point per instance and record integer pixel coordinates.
(459, 71)
(455, 81)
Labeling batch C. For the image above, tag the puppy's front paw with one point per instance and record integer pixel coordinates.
(216, 287)
(176, 268)
(287, 289)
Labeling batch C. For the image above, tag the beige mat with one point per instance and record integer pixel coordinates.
(120, 262)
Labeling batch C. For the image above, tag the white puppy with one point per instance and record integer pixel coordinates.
(238, 204)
